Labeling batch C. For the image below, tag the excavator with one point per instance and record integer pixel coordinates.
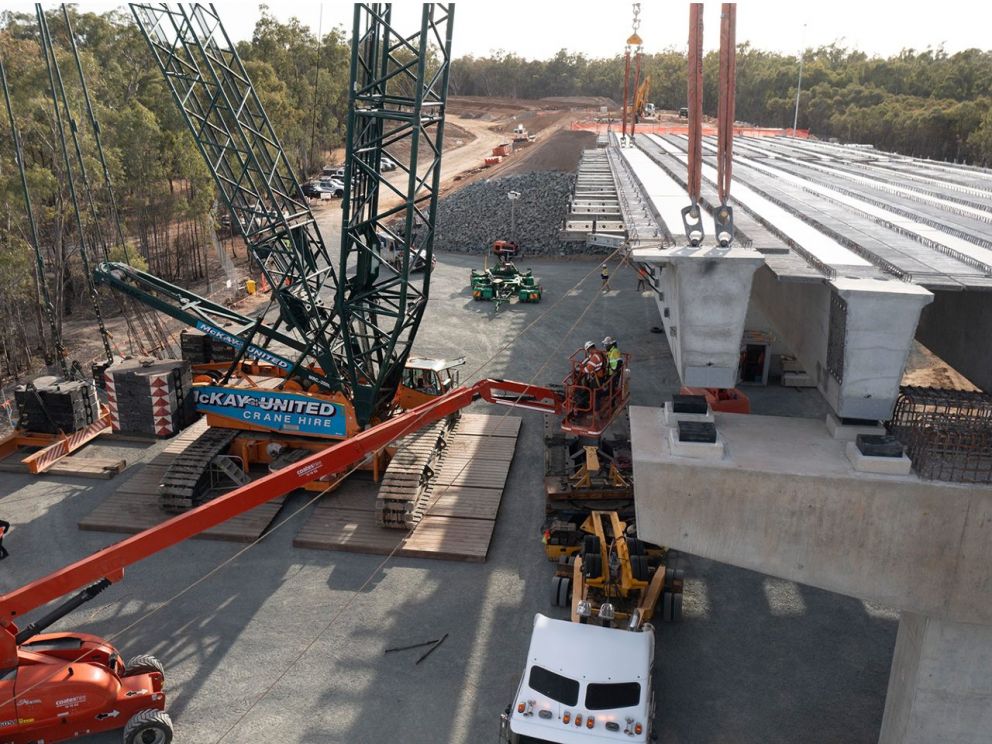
(338, 351)
(643, 111)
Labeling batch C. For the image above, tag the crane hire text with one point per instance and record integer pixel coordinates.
(266, 403)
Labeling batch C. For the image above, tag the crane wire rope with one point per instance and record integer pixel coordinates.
(316, 82)
(231, 559)
(638, 50)
(58, 93)
(45, 297)
(152, 331)
(723, 215)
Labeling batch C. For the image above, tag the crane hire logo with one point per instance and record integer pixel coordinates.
(279, 411)
(237, 343)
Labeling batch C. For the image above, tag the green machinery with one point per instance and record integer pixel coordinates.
(504, 281)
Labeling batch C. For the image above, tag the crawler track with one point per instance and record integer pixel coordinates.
(187, 479)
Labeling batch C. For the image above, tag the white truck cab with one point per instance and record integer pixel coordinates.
(583, 684)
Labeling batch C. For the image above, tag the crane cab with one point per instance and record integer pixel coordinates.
(424, 379)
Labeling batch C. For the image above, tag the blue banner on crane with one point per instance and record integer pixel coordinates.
(291, 413)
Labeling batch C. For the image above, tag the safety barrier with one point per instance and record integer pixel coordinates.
(708, 131)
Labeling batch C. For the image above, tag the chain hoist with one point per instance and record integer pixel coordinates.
(633, 42)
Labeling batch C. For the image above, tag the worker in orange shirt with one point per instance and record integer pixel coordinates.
(642, 279)
(594, 365)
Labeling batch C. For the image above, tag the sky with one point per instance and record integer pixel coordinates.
(539, 28)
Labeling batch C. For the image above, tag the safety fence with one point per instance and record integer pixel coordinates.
(708, 130)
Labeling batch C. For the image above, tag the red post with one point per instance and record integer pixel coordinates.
(626, 84)
(637, 84)
(695, 100)
(727, 88)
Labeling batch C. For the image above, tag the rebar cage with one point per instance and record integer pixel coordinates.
(947, 433)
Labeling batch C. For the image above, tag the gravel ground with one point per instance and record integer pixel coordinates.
(558, 152)
(470, 219)
(259, 652)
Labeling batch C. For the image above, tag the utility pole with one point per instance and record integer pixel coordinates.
(799, 88)
(513, 196)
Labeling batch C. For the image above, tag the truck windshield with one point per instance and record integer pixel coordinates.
(554, 686)
(610, 696)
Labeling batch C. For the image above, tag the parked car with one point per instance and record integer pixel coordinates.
(387, 164)
(311, 190)
(332, 186)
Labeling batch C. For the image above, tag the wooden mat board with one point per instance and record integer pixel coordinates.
(355, 531)
(470, 503)
(472, 476)
(461, 518)
(134, 507)
(490, 448)
(77, 466)
(81, 466)
(132, 512)
(489, 425)
(450, 538)
(346, 529)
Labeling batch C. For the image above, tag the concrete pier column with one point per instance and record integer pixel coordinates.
(852, 334)
(940, 687)
(703, 301)
(871, 325)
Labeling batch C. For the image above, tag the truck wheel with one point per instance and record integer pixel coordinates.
(590, 544)
(677, 607)
(666, 607)
(639, 567)
(635, 547)
(144, 664)
(561, 590)
(592, 565)
(148, 726)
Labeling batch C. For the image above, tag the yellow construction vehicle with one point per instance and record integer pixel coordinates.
(615, 577)
(641, 110)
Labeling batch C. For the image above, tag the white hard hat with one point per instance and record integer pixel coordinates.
(589, 345)
(608, 340)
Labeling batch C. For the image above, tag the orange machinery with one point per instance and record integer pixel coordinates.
(60, 686)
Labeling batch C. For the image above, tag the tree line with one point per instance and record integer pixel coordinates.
(167, 199)
(924, 103)
(927, 103)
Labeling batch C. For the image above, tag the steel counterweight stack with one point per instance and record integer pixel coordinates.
(201, 348)
(150, 396)
(51, 405)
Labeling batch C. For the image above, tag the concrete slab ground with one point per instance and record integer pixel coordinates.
(286, 645)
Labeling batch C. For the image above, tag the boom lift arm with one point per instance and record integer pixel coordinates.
(106, 566)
